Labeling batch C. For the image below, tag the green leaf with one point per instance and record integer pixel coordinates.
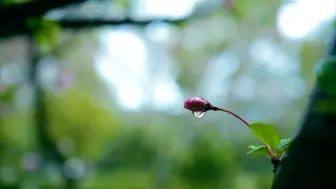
(257, 150)
(266, 133)
(282, 146)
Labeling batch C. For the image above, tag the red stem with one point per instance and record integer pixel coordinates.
(228, 111)
(270, 152)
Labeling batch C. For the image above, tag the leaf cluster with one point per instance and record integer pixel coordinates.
(273, 146)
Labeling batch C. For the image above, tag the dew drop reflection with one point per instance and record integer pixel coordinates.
(199, 115)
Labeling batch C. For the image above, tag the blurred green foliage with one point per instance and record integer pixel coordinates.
(105, 146)
(45, 33)
(66, 120)
(325, 73)
(12, 2)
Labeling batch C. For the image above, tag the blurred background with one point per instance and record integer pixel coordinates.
(93, 97)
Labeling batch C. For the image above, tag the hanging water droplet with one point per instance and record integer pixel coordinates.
(199, 115)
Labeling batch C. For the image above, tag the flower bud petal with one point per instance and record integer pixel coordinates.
(196, 104)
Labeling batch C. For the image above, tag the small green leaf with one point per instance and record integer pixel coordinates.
(257, 150)
(282, 146)
(266, 133)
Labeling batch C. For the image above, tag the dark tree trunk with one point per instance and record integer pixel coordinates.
(47, 146)
(309, 161)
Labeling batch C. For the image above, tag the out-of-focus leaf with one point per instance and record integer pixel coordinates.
(180, 24)
(326, 76)
(122, 3)
(73, 115)
(310, 52)
(207, 164)
(7, 93)
(122, 178)
(266, 133)
(45, 32)
(327, 106)
(12, 2)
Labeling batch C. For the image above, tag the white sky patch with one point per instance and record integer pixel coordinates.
(123, 64)
(297, 19)
(166, 94)
(276, 61)
(245, 88)
(216, 78)
(166, 8)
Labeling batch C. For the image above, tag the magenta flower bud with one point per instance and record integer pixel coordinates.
(197, 104)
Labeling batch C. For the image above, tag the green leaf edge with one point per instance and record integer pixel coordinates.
(280, 149)
(283, 145)
(257, 150)
(277, 134)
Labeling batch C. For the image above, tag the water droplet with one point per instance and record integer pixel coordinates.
(199, 115)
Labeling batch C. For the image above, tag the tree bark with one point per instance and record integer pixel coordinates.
(47, 147)
(309, 161)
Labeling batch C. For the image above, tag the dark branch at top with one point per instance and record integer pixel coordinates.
(13, 18)
(13, 29)
(83, 23)
(32, 9)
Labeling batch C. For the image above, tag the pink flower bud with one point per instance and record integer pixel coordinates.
(196, 104)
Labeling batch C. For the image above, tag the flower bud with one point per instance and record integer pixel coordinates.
(197, 104)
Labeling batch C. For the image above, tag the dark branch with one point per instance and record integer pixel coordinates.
(17, 24)
(13, 18)
(32, 9)
(13, 29)
(47, 146)
(79, 24)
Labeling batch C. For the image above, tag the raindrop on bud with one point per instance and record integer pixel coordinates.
(199, 115)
